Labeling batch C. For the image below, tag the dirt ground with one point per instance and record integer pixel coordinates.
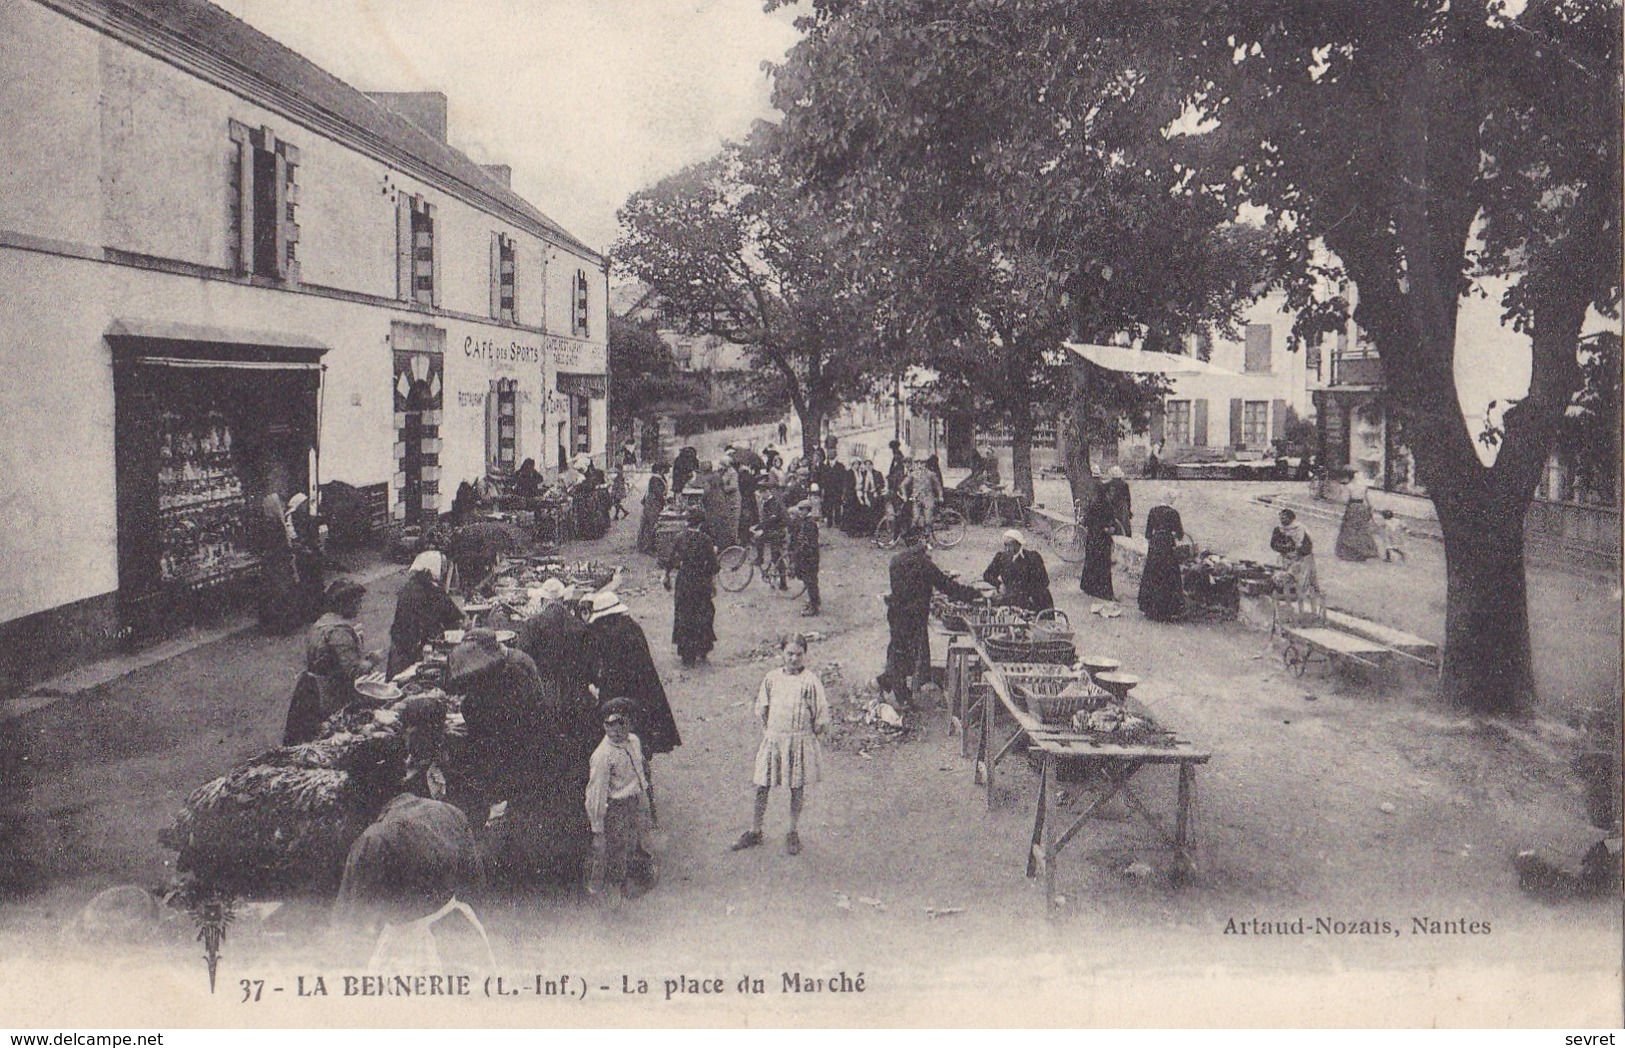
(1348, 798)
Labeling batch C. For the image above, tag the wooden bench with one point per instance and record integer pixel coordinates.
(1129, 553)
(1397, 639)
(1308, 644)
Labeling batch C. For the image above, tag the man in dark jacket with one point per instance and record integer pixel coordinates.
(908, 613)
(772, 521)
(1019, 575)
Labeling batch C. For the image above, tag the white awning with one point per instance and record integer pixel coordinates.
(1142, 362)
(172, 331)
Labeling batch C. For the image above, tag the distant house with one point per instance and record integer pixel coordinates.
(704, 353)
(1231, 405)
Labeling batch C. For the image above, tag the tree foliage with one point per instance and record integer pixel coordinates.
(1403, 155)
(1017, 170)
(732, 250)
(642, 374)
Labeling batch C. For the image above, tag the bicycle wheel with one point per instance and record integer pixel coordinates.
(1068, 542)
(948, 528)
(885, 536)
(735, 569)
(780, 581)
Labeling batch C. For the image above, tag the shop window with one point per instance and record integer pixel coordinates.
(578, 311)
(1177, 422)
(1255, 423)
(417, 258)
(267, 204)
(502, 276)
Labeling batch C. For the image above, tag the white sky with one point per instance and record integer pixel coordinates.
(587, 100)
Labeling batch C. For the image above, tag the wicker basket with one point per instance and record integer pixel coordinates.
(1054, 700)
(1026, 649)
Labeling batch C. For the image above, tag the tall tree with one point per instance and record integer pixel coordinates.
(1415, 145)
(1042, 176)
(733, 249)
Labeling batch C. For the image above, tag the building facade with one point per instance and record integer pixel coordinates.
(229, 275)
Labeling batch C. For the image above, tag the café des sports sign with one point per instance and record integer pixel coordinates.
(565, 354)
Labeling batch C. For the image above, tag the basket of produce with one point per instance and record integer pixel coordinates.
(1054, 700)
(1021, 643)
(1111, 723)
(589, 574)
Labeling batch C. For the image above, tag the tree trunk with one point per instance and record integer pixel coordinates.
(1021, 448)
(1487, 663)
(811, 413)
(1080, 477)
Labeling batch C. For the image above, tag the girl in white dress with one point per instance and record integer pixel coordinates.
(794, 712)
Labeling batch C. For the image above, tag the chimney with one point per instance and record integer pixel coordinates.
(426, 109)
(501, 172)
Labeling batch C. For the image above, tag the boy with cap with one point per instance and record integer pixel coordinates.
(618, 807)
(804, 550)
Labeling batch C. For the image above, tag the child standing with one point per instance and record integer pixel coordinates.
(617, 494)
(618, 807)
(804, 550)
(1390, 535)
(794, 712)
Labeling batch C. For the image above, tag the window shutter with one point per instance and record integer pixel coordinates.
(1259, 339)
(403, 247)
(245, 197)
(1277, 420)
(496, 274)
(1235, 422)
(1156, 424)
(518, 427)
(434, 258)
(289, 211)
(492, 424)
(1199, 427)
(279, 233)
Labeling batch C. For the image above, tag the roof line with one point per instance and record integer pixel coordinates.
(136, 28)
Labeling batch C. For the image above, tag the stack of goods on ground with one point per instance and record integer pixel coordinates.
(283, 823)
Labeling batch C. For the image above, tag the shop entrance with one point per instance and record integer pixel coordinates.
(208, 437)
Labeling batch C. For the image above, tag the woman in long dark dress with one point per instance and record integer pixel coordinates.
(422, 610)
(1162, 593)
(654, 503)
(683, 470)
(693, 627)
(1099, 525)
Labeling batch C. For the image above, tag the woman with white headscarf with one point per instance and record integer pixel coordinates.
(423, 610)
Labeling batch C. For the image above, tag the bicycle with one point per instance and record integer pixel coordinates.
(1069, 540)
(738, 567)
(946, 531)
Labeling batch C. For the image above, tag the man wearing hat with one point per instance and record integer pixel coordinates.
(772, 520)
(908, 613)
(804, 550)
(1019, 575)
(416, 855)
(624, 669)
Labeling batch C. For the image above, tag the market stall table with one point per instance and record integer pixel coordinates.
(1117, 763)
